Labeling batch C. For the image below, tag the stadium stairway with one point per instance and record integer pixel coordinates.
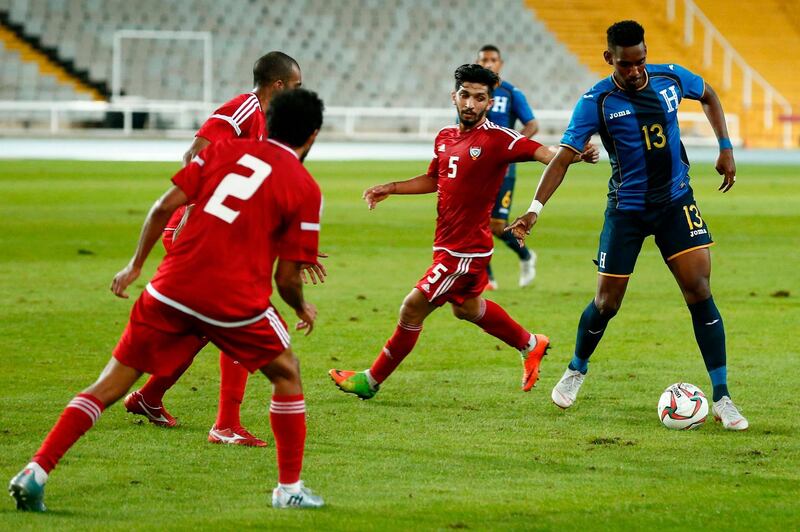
(581, 25)
(13, 39)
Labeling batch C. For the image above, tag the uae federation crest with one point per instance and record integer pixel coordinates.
(475, 152)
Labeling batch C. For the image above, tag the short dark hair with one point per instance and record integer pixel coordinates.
(625, 33)
(272, 67)
(293, 115)
(490, 48)
(472, 73)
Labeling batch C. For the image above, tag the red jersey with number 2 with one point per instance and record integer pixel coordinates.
(470, 167)
(254, 202)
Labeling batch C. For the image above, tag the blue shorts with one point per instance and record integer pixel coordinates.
(502, 204)
(678, 228)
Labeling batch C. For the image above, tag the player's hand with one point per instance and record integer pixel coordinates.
(316, 272)
(591, 153)
(726, 167)
(123, 280)
(188, 156)
(522, 226)
(307, 315)
(378, 193)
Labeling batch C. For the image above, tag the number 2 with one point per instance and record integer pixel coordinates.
(238, 186)
(452, 166)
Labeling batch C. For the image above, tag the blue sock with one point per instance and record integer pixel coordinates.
(591, 327)
(579, 364)
(522, 251)
(719, 379)
(709, 332)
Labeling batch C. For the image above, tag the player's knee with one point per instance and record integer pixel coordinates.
(462, 313)
(107, 391)
(700, 290)
(286, 367)
(607, 305)
(411, 312)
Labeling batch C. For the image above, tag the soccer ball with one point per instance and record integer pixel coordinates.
(682, 406)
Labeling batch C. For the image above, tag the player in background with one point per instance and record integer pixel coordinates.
(509, 106)
(635, 111)
(257, 209)
(469, 163)
(241, 117)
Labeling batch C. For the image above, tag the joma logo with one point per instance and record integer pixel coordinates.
(618, 114)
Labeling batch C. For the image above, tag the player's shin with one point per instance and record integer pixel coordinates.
(709, 332)
(156, 386)
(78, 417)
(233, 381)
(396, 349)
(591, 327)
(496, 321)
(287, 416)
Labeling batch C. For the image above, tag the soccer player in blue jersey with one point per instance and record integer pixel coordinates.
(635, 112)
(509, 106)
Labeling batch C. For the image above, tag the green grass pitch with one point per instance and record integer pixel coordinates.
(450, 441)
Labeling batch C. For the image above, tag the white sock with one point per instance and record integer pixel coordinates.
(371, 380)
(38, 473)
(531, 344)
(294, 487)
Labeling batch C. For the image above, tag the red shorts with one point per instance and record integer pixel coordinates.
(160, 339)
(454, 279)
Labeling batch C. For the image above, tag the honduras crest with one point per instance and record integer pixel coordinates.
(475, 152)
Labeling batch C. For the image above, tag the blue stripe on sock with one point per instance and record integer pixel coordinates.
(719, 376)
(579, 364)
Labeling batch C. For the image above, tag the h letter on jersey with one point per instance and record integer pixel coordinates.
(671, 97)
(500, 104)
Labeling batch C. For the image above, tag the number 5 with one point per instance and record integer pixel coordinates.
(436, 273)
(238, 186)
(452, 166)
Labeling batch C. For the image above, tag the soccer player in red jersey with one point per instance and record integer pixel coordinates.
(256, 207)
(470, 161)
(241, 117)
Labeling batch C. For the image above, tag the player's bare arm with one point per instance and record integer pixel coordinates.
(290, 288)
(530, 128)
(422, 184)
(551, 179)
(590, 154)
(199, 144)
(725, 166)
(153, 227)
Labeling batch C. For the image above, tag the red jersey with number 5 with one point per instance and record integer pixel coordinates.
(254, 202)
(470, 167)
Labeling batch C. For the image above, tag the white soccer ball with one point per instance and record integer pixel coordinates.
(682, 406)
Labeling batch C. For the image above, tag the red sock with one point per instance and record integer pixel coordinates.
(495, 321)
(399, 345)
(78, 417)
(232, 383)
(154, 389)
(287, 416)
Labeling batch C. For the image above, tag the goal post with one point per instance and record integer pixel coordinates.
(204, 36)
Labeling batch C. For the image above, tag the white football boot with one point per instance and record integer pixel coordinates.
(300, 498)
(527, 270)
(725, 411)
(566, 391)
